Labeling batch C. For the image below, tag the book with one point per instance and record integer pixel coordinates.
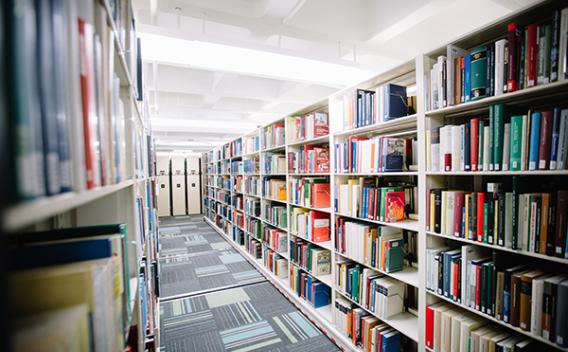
(395, 104)
(478, 72)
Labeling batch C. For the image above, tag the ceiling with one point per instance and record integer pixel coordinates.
(199, 101)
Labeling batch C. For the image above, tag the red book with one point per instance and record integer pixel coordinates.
(532, 55)
(545, 137)
(429, 327)
(376, 205)
(474, 141)
(456, 278)
(477, 286)
(87, 97)
(320, 226)
(458, 206)
(320, 193)
(394, 206)
(514, 43)
(479, 215)
(322, 159)
(321, 124)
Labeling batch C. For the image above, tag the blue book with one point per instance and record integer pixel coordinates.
(395, 102)
(554, 139)
(308, 288)
(47, 254)
(390, 341)
(321, 295)
(534, 141)
(467, 76)
(365, 202)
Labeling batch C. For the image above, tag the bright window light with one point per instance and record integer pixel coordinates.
(218, 57)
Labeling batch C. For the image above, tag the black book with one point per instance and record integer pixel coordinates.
(501, 219)
(467, 146)
(437, 210)
(555, 44)
(550, 240)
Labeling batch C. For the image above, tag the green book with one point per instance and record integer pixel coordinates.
(478, 73)
(355, 283)
(522, 60)
(480, 146)
(491, 144)
(394, 257)
(498, 127)
(516, 143)
(486, 219)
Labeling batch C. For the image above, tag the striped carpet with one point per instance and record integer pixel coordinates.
(252, 317)
(194, 258)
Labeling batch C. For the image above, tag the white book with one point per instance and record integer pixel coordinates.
(500, 66)
(449, 205)
(508, 240)
(467, 326)
(428, 150)
(536, 304)
(469, 253)
(486, 151)
(532, 225)
(435, 157)
(462, 148)
(442, 103)
(456, 330)
(434, 87)
(456, 145)
(563, 49)
(506, 147)
(445, 146)
(453, 52)
(524, 221)
(562, 141)
(524, 143)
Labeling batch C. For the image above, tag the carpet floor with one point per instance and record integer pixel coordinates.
(251, 317)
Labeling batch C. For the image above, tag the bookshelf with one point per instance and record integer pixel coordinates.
(125, 191)
(415, 76)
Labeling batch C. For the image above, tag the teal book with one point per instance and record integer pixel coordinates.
(491, 144)
(516, 142)
(480, 146)
(394, 256)
(478, 72)
(498, 127)
(534, 141)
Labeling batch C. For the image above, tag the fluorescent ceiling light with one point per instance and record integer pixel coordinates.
(219, 57)
(227, 126)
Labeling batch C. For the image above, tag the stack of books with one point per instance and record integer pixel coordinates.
(308, 159)
(307, 127)
(310, 192)
(309, 224)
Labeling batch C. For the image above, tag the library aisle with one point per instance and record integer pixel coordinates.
(212, 299)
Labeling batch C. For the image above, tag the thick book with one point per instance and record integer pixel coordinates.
(478, 73)
(514, 38)
(395, 102)
(531, 55)
(498, 136)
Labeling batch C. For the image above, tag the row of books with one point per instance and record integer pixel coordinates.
(273, 135)
(532, 222)
(254, 227)
(307, 127)
(93, 263)
(369, 107)
(237, 147)
(226, 154)
(237, 234)
(254, 248)
(238, 184)
(238, 219)
(276, 215)
(274, 164)
(237, 201)
(365, 330)
(526, 297)
(309, 288)
(276, 239)
(252, 185)
(251, 166)
(309, 224)
(522, 58)
(66, 117)
(308, 159)
(311, 258)
(380, 247)
(223, 196)
(375, 292)
(452, 329)
(252, 207)
(251, 144)
(533, 141)
(376, 154)
(275, 263)
(274, 189)
(364, 198)
(237, 167)
(310, 192)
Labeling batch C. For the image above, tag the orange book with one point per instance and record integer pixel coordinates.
(320, 195)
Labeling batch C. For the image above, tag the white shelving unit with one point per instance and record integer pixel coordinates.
(415, 72)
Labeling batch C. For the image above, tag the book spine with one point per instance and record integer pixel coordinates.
(534, 141)
(555, 46)
(467, 76)
(467, 147)
(554, 138)
(480, 215)
(498, 140)
(516, 138)
(532, 57)
(513, 39)
(545, 140)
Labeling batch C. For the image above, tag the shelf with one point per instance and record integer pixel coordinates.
(28, 213)
(503, 249)
(274, 174)
(405, 323)
(499, 173)
(383, 174)
(251, 195)
(327, 244)
(274, 149)
(411, 225)
(326, 279)
(408, 275)
(251, 154)
(500, 322)
(271, 224)
(275, 200)
(316, 140)
(323, 210)
(312, 174)
(401, 123)
(541, 92)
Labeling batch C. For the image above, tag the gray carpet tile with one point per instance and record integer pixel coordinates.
(194, 258)
(249, 318)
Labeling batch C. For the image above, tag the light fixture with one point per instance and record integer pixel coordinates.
(219, 57)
